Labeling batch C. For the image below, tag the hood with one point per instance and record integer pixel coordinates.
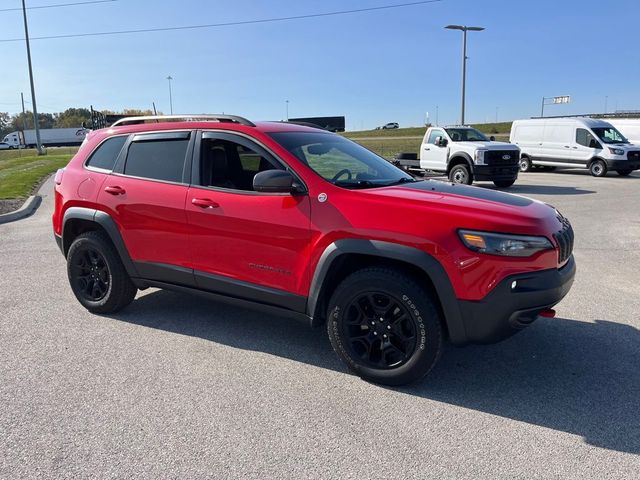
(474, 207)
(491, 145)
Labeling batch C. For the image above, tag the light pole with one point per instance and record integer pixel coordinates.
(606, 101)
(464, 29)
(33, 90)
(170, 95)
(287, 108)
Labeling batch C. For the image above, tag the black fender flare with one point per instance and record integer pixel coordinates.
(393, 251)
(464, 155)
(108, 225)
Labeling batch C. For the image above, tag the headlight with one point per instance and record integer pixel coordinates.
(616, 151)
(479, 160)
(502, 244)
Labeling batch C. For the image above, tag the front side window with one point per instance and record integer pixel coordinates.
(157, 159)
(104, 157)
(227, 164)
(433, 135)
(584, 138)
(609, 135)
(340, 161)
(466, 135)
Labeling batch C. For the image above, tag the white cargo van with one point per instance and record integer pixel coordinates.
(629, 127)
(574, 142)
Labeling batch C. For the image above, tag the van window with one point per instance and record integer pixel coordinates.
(609, 135)
(158, 159)
(105, 155)
(584, 137)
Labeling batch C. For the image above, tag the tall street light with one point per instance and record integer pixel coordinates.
(464, 29)
(170, 95)
(287, 105)
(33, 90)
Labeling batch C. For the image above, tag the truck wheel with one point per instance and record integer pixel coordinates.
(624, 172)
(504, 183)
(598, 168)
(461, 174)
(96, 274)
(525, 164)
(384, 326)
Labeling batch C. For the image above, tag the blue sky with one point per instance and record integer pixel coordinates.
(376, 67)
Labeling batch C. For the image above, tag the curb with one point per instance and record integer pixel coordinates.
(27, 208)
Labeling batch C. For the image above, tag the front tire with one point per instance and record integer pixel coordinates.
(624, 172)
(504, 183)
(525, 164)
(598, 168)
(96, 274)
(461, 174)
(384, 326)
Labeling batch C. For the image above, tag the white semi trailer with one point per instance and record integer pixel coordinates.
(49, 137)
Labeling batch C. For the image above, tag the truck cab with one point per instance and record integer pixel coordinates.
(467, 155)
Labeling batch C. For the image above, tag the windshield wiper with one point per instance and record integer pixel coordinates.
(400, 181)
(356, 184)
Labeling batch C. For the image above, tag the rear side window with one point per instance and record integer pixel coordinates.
(157, 159)
(105, 155)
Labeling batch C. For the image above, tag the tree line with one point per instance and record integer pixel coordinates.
(70, 118)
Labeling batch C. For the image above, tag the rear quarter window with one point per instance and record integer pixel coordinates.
(104, 157)
(157, 160)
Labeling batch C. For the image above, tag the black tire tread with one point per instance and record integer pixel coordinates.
(393, 277)
(122, 290)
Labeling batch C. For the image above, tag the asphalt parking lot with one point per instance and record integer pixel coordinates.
(179, 387)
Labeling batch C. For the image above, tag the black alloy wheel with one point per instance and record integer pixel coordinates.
(379, 330)
(90, 273)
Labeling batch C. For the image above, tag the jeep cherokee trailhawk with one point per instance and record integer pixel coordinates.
(302, 222)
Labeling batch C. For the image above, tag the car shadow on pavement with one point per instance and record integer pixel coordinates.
(577, 377)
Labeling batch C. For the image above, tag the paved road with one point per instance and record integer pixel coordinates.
(178, 387)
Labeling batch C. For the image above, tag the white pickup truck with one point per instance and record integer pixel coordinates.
(465, 155)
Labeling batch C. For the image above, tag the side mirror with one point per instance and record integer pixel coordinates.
(441, 142)
(273, 181)
(594, 144)
(492, 138)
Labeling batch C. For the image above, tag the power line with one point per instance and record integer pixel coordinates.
(56, 5)
(226, 24)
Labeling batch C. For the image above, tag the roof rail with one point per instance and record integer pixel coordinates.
(183, 118)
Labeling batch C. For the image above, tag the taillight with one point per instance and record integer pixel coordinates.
(58, 177)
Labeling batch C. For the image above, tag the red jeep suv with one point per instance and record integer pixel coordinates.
(302, 222)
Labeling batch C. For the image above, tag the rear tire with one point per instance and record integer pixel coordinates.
(624, 172)
(598, 168)
(96, 274)
(525, 164)
(504, 183)
(461, 174)
(384, 326)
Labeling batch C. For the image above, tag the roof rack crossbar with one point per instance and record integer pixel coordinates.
(184, 118)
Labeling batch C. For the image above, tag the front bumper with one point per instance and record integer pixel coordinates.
(507, 310)
(497, 172)
(623, 164)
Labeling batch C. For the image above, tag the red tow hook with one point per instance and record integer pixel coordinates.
(548, 313)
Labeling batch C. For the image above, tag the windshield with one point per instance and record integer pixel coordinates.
(609, 135)
(466, 135)
(341, 161)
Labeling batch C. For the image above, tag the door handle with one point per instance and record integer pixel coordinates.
(427, 148)
(204, 203)
(575, 148)
(567, 146)
(115, 190)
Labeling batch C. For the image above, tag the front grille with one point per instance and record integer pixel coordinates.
(634, 155)
(494, 157)
(564, 239)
